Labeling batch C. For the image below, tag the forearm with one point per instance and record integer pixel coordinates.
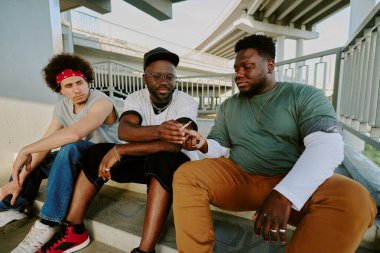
(323, 153)
(55, 140)
(147, 148)
(137, 133)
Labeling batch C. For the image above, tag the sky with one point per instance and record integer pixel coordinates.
(194, 19)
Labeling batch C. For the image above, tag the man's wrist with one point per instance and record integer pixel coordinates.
(204, 148)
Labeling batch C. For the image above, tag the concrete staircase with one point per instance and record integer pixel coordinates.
(115, 220)
(116, 217)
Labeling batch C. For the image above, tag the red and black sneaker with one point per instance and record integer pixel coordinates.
(66, 241)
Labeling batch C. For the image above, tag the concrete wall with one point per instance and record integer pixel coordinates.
(30, 35)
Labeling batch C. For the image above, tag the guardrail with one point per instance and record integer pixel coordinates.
(359, 100)
(117, 79)
(321, 70)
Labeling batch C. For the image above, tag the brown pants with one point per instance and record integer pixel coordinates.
(333, 220)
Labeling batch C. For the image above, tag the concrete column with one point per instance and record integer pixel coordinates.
(299, 47)
(30, 35)
(280, 48)
(359, 10)
(67, 33)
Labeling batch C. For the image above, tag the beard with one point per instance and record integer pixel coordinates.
(254, 90)
(158, 98)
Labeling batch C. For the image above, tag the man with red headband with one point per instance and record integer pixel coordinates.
(81, 118)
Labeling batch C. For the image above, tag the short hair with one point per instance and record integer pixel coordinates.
(64, 61)
(264, 45)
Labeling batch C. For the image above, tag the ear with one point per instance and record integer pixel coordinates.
(145, 78)
(270, 66)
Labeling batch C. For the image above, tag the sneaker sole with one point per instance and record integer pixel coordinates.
(78, 247)
(9, 216)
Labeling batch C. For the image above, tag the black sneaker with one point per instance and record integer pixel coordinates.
(137, 250)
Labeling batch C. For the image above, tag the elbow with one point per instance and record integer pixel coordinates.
(339, 149)
(122, 134)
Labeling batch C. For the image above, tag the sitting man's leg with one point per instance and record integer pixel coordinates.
(31, 185)
(61, 179)
(160, 168)
(219, 182)
(334, 219)
(74, 236)
(28, 194)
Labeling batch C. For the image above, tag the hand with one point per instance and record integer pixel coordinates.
(193, 141)
(107, 162)
(22, 159)
(273, 215)
(170, 131)
(10, 188)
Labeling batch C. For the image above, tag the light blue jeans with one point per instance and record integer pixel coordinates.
(61, 171)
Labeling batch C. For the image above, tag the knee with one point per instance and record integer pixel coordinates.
(362, 203)
(182, 174)
(68, 149)
(356, 201)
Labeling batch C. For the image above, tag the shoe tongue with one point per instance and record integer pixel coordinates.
(40, 225)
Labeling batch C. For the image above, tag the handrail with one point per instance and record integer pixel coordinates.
(360, 89)
(319, 69)
(311, 56)
(209, 91)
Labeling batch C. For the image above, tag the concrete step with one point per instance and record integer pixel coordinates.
(115, 221)
(116, 217)
(12, 234)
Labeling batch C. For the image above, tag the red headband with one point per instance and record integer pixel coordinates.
(68, 73)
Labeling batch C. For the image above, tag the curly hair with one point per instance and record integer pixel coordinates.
(264, 45)
(64, 61)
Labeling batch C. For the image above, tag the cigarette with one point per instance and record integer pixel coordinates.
(183, 127)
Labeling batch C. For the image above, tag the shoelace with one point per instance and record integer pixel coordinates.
(57, 237)
(33, 234)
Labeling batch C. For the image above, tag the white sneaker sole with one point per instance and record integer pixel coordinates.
(10, 215)
(80, 246)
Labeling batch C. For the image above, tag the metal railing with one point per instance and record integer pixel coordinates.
(350, 77)
(321, 70)
(117, 79)
(359, 99)
(209, 90)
